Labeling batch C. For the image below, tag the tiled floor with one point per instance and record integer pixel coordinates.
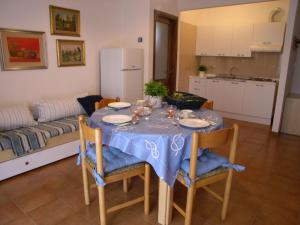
(267, 193)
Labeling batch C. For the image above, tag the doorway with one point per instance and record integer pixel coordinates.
(165, 49)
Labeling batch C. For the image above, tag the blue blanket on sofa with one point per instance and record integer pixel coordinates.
(28, 139)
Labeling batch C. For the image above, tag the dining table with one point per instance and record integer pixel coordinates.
(160, 141)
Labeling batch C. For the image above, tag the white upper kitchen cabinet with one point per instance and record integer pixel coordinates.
(258, 99)
(222, 40)
(204, 43)
(242, 38)
(268, 37)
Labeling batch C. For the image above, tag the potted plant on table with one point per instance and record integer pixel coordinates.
(202, 70)
(155, 92)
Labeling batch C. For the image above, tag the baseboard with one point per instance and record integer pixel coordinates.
(26, 163)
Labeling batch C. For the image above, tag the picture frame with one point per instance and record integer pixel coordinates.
(64, 21)
(22, 49)
(70, 52)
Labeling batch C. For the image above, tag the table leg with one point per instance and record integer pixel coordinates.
(165, 203)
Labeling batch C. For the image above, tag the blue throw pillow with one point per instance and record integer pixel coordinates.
(88, 103)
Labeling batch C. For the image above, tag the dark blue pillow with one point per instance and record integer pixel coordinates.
(88, 103)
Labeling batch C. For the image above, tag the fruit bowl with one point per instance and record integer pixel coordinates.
(183, 100)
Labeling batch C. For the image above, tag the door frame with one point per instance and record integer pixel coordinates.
(173, 34)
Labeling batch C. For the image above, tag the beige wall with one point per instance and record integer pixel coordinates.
(100, 27)
(187, 60)
(259, 65)
(237, 14)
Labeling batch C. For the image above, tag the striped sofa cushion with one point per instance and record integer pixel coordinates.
(56, 109)
(15, 117)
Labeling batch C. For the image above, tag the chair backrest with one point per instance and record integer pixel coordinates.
(105, 101)
(208, 105)
(213, 139)
(88, 134)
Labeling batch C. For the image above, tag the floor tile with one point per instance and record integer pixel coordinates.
(51, 213)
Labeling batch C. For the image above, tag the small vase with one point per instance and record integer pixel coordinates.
(201, 74)
(155, 101)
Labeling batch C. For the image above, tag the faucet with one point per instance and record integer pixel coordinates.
(231, 71)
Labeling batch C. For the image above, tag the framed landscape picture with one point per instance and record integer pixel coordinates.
(64, 21)
(22, 49)
(70, 53)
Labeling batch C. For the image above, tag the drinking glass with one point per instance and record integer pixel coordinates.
(171, 111)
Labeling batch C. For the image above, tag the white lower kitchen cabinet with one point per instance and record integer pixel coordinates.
(233, 97)
(258, 99)
(197, 86)
(242, 100)
(214, 90)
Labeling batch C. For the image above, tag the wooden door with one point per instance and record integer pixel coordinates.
(165, 49)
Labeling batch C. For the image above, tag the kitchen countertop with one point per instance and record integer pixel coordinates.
(243, 78)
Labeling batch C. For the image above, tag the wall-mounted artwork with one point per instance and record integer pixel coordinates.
(64, 21)
(70, 53)
(22, 49)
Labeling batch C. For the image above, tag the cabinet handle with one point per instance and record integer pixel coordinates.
(235, 82)
(215, 81)
(259, 85)
(196, 89)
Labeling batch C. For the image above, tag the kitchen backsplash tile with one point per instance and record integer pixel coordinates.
(261, 64)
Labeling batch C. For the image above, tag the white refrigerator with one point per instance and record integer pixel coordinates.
(122, 73)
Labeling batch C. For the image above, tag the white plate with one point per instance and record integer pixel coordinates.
(116, 119)
(119, 105)
(194, 123)
(210, 75)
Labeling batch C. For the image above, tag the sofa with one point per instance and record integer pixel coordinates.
(34, 136)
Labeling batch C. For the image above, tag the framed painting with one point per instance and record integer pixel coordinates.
(64, 21)
(21, 50)
(70, 53)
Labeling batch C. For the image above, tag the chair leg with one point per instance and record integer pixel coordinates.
(86, 186)
(125, 185)
(226, 194)
(147, 190)
(102, 208)
(189, 205)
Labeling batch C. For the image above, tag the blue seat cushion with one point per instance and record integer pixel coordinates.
(113, 158)
(206, 162)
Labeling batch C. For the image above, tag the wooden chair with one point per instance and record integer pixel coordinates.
(141, 169)
(105, 101)
(208, 140)
(208, 105)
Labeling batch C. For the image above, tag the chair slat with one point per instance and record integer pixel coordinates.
(214, 139)
(105, 101)
(208, 105)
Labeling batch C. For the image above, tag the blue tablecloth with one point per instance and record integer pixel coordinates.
(157, 140)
